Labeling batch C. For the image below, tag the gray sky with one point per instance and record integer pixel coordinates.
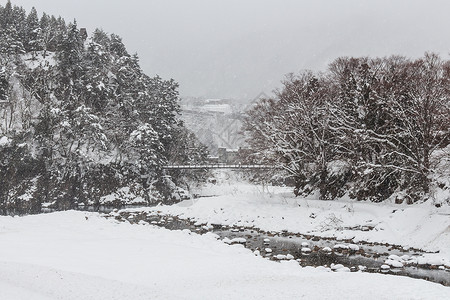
(236, 49)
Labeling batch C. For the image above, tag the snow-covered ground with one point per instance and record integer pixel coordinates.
(238, 203)
(77, 255)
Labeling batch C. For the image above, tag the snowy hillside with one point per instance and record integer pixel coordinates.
(80, 120)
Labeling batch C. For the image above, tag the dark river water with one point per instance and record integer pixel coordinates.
(307, 250)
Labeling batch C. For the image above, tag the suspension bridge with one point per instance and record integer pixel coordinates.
(220, 166)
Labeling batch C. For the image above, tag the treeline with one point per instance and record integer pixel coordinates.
(21, 32)
(366, 128)
(80, 122)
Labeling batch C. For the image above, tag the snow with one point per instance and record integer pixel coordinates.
(344, 269)
(274, 209)
(78, 255)
(238, 241)
(353, 247)
(394, 263)
(337, 167)
(226, 241)
(124, 195)
(4, 141)
(38, 59)
(339, 268)
(340, 246)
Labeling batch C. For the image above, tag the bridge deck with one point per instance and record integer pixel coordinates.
(218, 166)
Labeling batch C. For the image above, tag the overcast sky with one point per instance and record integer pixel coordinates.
(238, 48)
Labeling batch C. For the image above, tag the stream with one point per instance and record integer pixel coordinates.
(340, 256)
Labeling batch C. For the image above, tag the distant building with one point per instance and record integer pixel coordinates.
(227, 156)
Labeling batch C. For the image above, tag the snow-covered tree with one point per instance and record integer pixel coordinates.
(33, 36)
(97, 122)
(367, 127)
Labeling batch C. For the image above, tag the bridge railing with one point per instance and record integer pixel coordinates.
(219, 166)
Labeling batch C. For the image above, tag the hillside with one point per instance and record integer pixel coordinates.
(81, 124)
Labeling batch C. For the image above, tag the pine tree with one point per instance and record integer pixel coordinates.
(96, 80)
(7, 16)
(98, 122)
(20, 23)
(70, 66)
(45, 34)
(33, 28)
(11, 43)
(117, 47)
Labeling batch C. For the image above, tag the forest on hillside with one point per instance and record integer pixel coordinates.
(81, 125)
(80, 122)
(366, 128)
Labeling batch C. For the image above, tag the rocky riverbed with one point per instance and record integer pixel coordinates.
(308, 250)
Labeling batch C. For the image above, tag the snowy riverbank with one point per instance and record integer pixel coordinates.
(77, 255)
(420, 226)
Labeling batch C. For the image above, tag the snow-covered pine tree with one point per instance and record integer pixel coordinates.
(98, 123)
(33, 35)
